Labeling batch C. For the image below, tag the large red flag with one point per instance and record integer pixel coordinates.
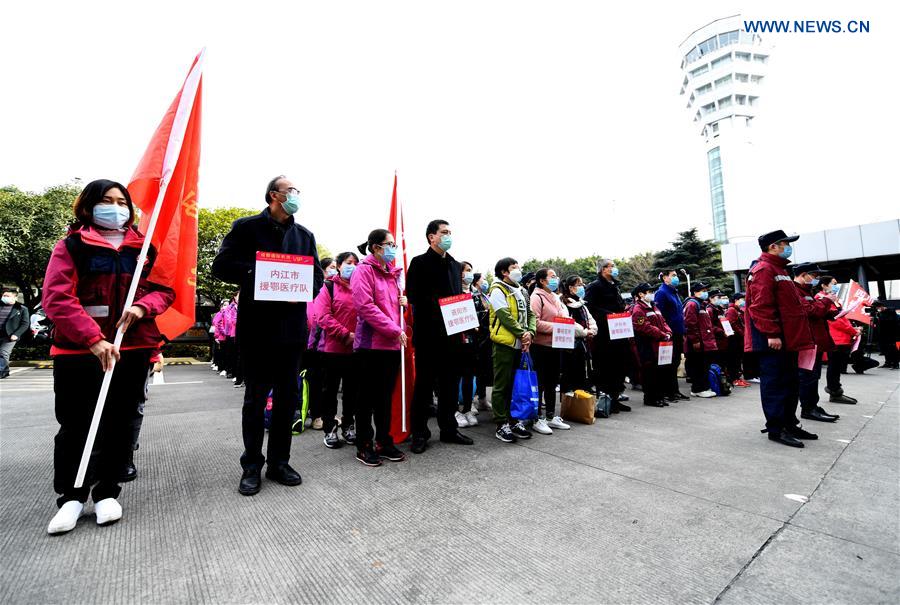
(857, 299)
(400, 409)
(167, 175)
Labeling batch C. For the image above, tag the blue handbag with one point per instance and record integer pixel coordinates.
(526, 401)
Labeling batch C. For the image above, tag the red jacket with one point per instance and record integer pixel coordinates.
(716, 314)
(818, 311)
(85, 287)
(774, 309)
(698, 327)
(650, 328)
(842, 331)
(735, 315)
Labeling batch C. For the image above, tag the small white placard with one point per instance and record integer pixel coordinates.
(459, 313)
(726, 325)
(283, 277)
(563, 333)
(664, 357)
(620, 326)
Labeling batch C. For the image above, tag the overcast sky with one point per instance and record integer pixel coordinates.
(536, 128)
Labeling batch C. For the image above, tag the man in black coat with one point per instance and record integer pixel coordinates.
(271, 335)
(432, 276)
(14, 322)
(602, 298)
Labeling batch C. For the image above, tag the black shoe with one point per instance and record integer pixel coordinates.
(457, 438)
(505, 434)
(816, 415)
(655, 404)
(799, 433)
(332, 441)
(682, 396)
(672, 399)
(250, 482)
(842, 399)
(618, 406)
(785, 439)
(623, 397)
(419, 445)
(129, 473)
(389, 452)
(824, 413)
(368, 457)
(229, 376)
(283, 474)
(519, 430)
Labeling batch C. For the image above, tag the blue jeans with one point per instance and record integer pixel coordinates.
(779, 389)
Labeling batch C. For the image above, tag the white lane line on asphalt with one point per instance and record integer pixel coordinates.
(165, 384)
(796, 497)
(864, 416)
(842, 440)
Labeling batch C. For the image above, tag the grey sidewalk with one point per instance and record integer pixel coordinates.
(675, 505)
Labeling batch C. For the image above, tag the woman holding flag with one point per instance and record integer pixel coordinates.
(87, 279)
(376, 341)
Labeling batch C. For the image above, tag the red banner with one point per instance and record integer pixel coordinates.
(856, 295)
(400, 409)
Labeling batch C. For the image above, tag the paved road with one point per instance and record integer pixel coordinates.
(687, 504)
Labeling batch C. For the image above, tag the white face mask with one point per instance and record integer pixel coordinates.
(9, 300)
(516, 275)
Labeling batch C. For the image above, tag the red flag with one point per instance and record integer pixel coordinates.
(400, 410)
(857, 296)
(167, 175)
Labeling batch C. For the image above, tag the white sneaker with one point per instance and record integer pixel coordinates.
(461, 420)
(474, 410)
(557, 423)
(214, 368)
(223, 373)
(756, 380)
(66, 518)
(108, 511)
(704, 394)
(540, 426)
(471, 419)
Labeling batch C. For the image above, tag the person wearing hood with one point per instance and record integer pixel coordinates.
(336, 318)
(778, 329)
(670, 305)
(432, 276)
(699, 339)
(602, 298)
(819, 311)
(271, 335)
(575, 362)
(650, 329)
(87, 280)
(377, 343)
(546, 306)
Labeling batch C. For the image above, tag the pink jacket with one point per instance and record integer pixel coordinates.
(376, 298)
(218, 322)
(83, 294)
(229, 316)
(546, 307)
(336, 317)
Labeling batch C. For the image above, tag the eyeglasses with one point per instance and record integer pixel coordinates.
(388, 244)
(293, 190)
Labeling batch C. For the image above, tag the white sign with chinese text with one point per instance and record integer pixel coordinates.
(459, 313)
(726, 325)
(620, 326)
(664, 357)
(283, 277)
(563, 333)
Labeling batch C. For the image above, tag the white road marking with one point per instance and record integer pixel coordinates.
(842, 440)
(165, 384)
(796, 497)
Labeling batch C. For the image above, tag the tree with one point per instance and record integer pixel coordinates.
(32, 224)
(586, 267)
(701, 258)
(636, 270)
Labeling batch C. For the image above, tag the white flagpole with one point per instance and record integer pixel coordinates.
(402, 316)
(173, 150)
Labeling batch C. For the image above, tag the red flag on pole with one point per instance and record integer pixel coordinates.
(171, 161)
(857, 299)
(403, 390)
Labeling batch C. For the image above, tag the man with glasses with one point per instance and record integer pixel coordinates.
(432, 276)
(271, 335)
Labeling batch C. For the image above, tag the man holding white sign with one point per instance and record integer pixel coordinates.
(610, 350)
(274, 261)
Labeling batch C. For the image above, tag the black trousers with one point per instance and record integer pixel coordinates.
(668, 375)
(750, 365)
(734, 357)
(655, 382)
(76, 384)
(837, 365)
(485, 374)
(377, 371)
(273, 368)
(779, 389)
(315, 381)
(610, 358)
(339, 368)
(573, 366)
(698, 370)
(440, 369)
(547, 365)
(809, 385)
(467, 366)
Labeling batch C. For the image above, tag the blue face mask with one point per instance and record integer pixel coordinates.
(390, 253)
(814, 282)
(292, 204)
(703, 295)
(722, 302)
(110, 216)
(674, 282)
(347, 271)
(553, 283)
(468, 277)
(786, 253)
(445, 243)
(615, 272)
(835, 288)
(484, 287)
(580, 292)
(330, 272)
